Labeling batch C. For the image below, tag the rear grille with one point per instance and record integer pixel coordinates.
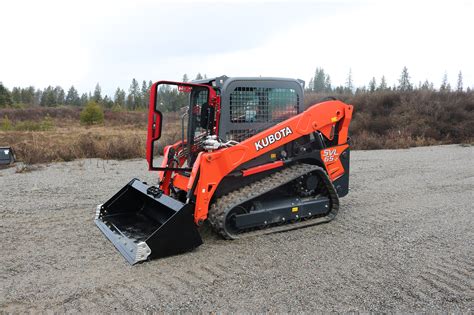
(263, 106)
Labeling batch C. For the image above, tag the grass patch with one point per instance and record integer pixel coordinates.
(27, 125)
(75, 143)
(43, 135)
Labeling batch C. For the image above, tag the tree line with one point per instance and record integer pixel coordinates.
(136, 97)
(321, 83)
(138, 94)
(53, 96)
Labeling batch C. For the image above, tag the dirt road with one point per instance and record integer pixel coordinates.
(403, 240)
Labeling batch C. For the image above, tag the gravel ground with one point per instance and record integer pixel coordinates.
(403, 241)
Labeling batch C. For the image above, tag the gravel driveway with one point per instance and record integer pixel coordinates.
(403, 241)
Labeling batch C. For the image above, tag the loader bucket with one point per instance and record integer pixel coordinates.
(142, 223)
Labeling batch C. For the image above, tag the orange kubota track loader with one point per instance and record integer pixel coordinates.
(251, 159)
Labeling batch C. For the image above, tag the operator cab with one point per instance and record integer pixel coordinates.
(228, 109)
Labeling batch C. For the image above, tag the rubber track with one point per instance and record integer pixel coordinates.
(219, 209)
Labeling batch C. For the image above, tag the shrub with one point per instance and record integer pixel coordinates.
(89, 145)
(132, 146)
(92, 114)
(27, 125)
(393, 119)
(47, 123)
(6, 124)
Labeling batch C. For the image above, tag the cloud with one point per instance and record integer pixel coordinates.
(371, 40)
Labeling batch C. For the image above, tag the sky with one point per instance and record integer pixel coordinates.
(83, 43)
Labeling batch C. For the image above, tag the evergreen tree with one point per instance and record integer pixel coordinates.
(145, 97)
(349, 84)
(319, 84)
(48, 97)
(185, 78)
(97, 97)
(445, 86)
(427, 86)
(310, 85)
(72, 97)
(16, 95)
(383, 84)
(107, 102)
(372, 85)
(404, 81)
(362, 89)
(84, 99)
(327, 84)
(133, 100)
(5, 96)
(28, 95)
(92, 114)
(37, 98)
(340, 89)
(119, 98)
(150, 84)
(130, 101)
(198, 76)
(459, 87)
(59, 95)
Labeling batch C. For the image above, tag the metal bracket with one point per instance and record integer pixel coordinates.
(154, 191)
